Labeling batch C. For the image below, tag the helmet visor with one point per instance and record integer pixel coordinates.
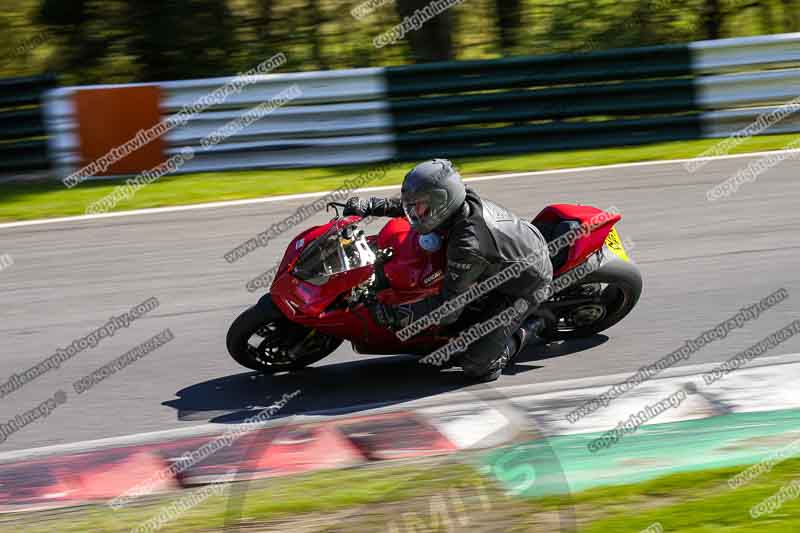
(422, 209)
(417, 211)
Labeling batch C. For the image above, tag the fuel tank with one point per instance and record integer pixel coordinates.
(418, 261)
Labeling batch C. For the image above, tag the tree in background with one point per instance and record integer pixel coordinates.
(434, 40)
(508, 16)
(23, 44)
(316, 20)
(82, 45)
(177, 39)
(713, 17)
(791, 9)
(166, 39)
(110, 41)
(264, 22)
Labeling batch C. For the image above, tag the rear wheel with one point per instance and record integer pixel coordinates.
(263, 339)
(595, 303)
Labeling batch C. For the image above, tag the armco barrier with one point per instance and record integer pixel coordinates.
(542, 103)
(23, 145)
(339, 118)
(597, 99)
(513, 105)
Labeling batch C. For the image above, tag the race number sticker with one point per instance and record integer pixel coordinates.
(615, 245)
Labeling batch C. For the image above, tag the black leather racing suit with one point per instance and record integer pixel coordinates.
(483, 239)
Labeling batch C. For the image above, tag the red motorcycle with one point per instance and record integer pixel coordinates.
(331, 273)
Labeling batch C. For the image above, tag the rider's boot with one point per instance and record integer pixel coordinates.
(527, 332)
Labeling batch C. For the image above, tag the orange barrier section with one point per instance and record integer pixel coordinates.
(109, 118)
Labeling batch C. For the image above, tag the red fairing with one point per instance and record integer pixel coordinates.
(413, 273)
(584, 246)
(297, 297)
(412, 270)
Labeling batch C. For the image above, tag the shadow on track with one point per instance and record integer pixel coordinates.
(342, 388)
(555, 349)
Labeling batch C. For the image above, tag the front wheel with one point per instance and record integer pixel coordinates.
(263, 339)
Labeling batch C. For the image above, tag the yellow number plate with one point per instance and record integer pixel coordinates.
(615, 245)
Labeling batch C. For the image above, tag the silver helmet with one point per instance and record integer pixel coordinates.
(431, 193)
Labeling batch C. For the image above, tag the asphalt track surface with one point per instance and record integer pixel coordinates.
(701, 262)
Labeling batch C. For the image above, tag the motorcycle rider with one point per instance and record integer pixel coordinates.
(483, 239)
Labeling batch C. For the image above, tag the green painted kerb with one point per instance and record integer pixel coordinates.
(653, 451)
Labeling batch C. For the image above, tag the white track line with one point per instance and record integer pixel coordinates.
(450, 398)
(269, 199)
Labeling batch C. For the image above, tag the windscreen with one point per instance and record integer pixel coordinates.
(332, 253)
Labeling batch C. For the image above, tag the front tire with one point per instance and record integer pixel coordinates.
(264, 340)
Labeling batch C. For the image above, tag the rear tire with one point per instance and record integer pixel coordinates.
(262, 339)
(623, 286)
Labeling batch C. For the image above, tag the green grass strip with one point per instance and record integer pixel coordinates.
(49, 198)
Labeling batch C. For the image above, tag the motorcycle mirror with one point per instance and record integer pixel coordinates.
(336, 206)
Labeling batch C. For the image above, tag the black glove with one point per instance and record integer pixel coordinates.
(356, 206)
(379, 207)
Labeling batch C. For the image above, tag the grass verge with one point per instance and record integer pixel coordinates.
(49, 198)
(453, 497)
